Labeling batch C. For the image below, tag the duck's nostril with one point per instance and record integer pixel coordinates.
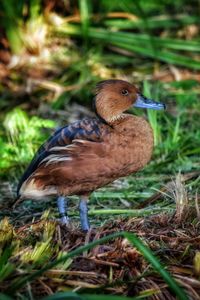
(146, 100)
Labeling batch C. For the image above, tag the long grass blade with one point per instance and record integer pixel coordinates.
(74, 296)
(5, 297)
(134, 240)
(35, 6)
(130, 212)
(153, 22)
(11, 23)
(140, 39)
(134, 44)
(85, 16)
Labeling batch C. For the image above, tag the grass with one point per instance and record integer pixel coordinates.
(32, 251)
(136, 230)
(141, 44)
(122, 199)
(131, 238)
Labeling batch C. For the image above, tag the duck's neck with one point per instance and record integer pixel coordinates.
(110, 119)
(107, 112)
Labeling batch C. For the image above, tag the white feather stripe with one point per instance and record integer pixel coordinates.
(70, 146)
(48, 157)
(57, 159)
(55, 156)
(80, 141)
(58, 148)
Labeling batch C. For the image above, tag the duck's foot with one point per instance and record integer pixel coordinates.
(64, 220)
(83, 209)
(62, 208)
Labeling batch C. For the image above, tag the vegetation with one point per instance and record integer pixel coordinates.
(52, 53)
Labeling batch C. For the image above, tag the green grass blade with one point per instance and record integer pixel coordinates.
(140, 39)
(84, 6)
(152, 115)
(116, 194)
(35, 7)
(153, 22)
(74, 296)
(64, 296)
(165, 56)
(132, 212)
(133, 239)
(169, 43)
(113, 297)
(5, 297)
(176, 132)
(132, 43)
(10, 10)
(10, 21)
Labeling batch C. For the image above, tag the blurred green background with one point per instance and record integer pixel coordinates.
(52, 53)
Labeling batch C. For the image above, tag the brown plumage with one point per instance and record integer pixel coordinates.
(91, 153)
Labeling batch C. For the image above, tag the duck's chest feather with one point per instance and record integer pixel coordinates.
(129, 144)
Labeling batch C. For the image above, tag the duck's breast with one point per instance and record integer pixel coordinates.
(131, 145)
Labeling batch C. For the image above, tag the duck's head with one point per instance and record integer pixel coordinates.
(113, 97)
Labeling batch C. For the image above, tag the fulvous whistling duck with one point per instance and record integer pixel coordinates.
(92, 152)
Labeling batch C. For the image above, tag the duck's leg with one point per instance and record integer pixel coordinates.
(62, 208)
(83, 209)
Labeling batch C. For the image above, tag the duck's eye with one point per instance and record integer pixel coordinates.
(124, 92)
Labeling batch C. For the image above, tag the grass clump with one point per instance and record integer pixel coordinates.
(44, 252)
(23, 137)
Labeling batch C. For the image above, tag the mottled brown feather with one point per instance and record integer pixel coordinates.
(83, 166)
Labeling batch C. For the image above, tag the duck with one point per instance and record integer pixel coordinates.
(92, 152)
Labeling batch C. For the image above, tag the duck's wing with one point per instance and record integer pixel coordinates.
(86, 129)
(78, 168)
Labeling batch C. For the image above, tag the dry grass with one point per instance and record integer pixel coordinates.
(116, 267)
